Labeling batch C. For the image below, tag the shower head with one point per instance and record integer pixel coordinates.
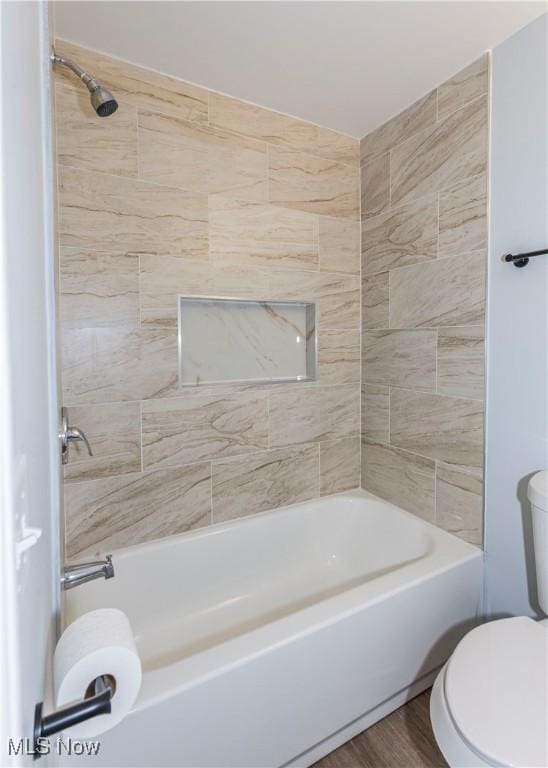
(102, 101)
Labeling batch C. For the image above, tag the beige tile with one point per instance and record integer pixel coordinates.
(339, 357)
(400, 358)
(337, 295)
(114, 433)
(111, 213)
(85, 142)
(419, 115)
(257, 234)
(281, 130)
(449, 429)
(102, 515)
(440, 292)
(310, 183)
(375, 301)
(467, 85)
(339, 245)
(399, 238)
(375, 186)
(459, 501)
(265, 480)
(164, 278)
(111, 364)
(463, 217)
(375, 412)
(259, 123)
(400, 477)
(306, 414)
(461, 361)
(338, 146)
(201, 159)
(339, 465)
(194, 428)
(98, 289)
(138, 86)
(438, 157)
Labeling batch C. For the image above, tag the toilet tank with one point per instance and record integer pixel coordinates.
(537, 494)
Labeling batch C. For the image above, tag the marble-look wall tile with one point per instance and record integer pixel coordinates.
(400, 477)
(102, 515)
(375, 412)
(337, 295)
(164, 278)
(375, 301)
(114, 433)
(448, 429)
(461, 361)
(438, 157)
(137, 85)
(459, 493)
(195, 428)
(424, 239)
(311, 414)
(463, 217)
(104, 212)
(401, 237)
(256, 234)
(266, 480)
(339, 357)
(98, 289)
(438, 293)
(206, 160)
(281, 130)
(339, 465)
(310, 183)
(419, 115)
(91, 144)
(400, 358)
(467, 85)
(102, 365)
(339, 245)
(338, 146)
(375, 186)
(276, 128)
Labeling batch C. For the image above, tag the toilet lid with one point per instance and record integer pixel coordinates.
(496, 688)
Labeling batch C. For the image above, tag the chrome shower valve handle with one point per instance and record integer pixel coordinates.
(68, 434)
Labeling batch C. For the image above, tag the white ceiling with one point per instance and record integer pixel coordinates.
(345, 65)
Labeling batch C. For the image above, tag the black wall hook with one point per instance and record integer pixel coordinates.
(522, 259)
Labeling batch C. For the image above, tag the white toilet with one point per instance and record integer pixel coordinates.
(489, 704)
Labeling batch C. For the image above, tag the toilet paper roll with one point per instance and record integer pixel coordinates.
(97, 643)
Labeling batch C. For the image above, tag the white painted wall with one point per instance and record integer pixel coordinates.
(517, 338)
(29, 446)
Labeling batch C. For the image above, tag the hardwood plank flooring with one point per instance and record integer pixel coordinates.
(404, 739)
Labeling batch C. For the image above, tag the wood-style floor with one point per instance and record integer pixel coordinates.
(404, 739)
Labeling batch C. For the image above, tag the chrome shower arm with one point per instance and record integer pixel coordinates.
(102, 100)
(81, 73)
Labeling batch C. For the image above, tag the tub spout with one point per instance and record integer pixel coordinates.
(75, 575)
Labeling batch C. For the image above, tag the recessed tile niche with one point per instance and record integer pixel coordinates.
(240, 340)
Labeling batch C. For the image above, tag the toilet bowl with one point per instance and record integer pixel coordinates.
(489, 704)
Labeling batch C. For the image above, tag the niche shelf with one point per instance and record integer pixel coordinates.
(245, 341)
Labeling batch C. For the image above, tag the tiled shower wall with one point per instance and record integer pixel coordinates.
(185, 191)
(424, 239)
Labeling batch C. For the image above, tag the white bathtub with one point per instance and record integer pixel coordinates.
(272, 639)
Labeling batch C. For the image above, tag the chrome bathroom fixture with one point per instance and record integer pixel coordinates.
(74, 575)
(102, 101)
(68, 434)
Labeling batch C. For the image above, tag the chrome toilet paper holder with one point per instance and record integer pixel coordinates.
(96, 701)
